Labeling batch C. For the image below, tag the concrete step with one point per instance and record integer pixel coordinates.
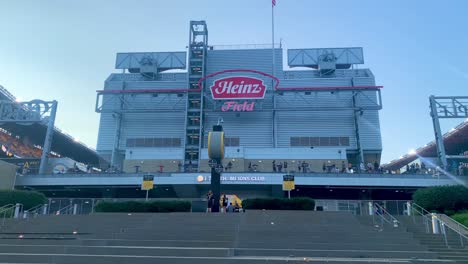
(369, 245)
(109, 259)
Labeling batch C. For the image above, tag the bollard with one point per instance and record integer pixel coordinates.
(17, 211)
(435, 224)
(408, 208)
(371, 208)
(44, 209)
(75, 209)
(395, 223)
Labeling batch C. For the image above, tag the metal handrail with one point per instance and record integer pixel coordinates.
(5, 209)
(420, 208)
(392, 220)
(425, 214)
(1, 208)
(66, 208)
(449, 220)
(34, 210)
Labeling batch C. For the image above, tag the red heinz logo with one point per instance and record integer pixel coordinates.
(238, 87)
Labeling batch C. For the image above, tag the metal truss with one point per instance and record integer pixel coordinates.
(36, 111)
(446, 107)
(130, 103)
(26, 113)
(450, 106)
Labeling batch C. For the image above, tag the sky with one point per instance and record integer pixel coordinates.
(64, 50)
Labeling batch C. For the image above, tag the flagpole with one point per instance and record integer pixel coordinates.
(273, 36)
(273, 4)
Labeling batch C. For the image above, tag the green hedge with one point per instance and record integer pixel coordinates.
(279, 204)
(443, 199)
(143, 207)
(461, 218)
(29, 199)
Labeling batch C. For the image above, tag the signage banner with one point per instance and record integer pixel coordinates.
(288, 183)
(148, 182)
(238, 87)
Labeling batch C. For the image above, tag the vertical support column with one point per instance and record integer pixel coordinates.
(371, 208)
(215, 188)
(75, 209)
(439, 138)
(408, 208)
(48, 139)
(115, 149)
(17, 212)
(435, 224)
(44, 209)
(357, 114)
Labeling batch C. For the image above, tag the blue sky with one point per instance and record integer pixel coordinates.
(64, 50)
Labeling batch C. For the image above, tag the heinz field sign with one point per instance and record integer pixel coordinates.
(238, 88)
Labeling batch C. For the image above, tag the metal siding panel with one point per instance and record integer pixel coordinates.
(106, 133)
(254, 59)
(253, 128)
(315, 124)
(153, 125)
(369, 125)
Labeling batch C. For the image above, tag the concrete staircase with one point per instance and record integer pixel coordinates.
(436, 242)
(180, 238)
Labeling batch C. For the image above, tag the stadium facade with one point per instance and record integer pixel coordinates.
(155, 115)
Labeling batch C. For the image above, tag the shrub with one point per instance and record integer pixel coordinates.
(143, 207)
(279, 204)
(442, 199)
(28, 199)
(461, 218)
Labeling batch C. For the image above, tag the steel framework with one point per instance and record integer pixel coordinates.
(27, 113)
(446, 107)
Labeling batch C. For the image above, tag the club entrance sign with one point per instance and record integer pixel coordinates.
(238, 88)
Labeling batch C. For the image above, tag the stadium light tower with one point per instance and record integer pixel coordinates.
(27, 113)
(446, 107)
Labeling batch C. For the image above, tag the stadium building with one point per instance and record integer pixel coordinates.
(320, 114)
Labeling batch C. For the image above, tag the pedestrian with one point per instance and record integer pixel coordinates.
(224, 203)
(274, 165)
(210, 199)
(230, 208)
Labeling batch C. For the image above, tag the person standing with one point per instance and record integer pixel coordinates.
(210, 199)
(224, 203)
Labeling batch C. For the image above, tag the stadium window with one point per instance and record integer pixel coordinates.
(139, 142)
(295, 141)
(158, 142)
(344, 141)
(314, 141)
(305, 141)
(334, 141)
(149, 142)
(130, 142)
(324, 141)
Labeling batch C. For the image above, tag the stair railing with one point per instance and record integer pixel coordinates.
(6, 210)
(34, 211)
(440, 225)
(65, 210)
(10, 211)
(385, 216)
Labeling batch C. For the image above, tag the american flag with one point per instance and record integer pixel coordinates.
(273, 2)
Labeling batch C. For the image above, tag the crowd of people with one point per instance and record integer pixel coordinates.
(14, 146)
(225, 204)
